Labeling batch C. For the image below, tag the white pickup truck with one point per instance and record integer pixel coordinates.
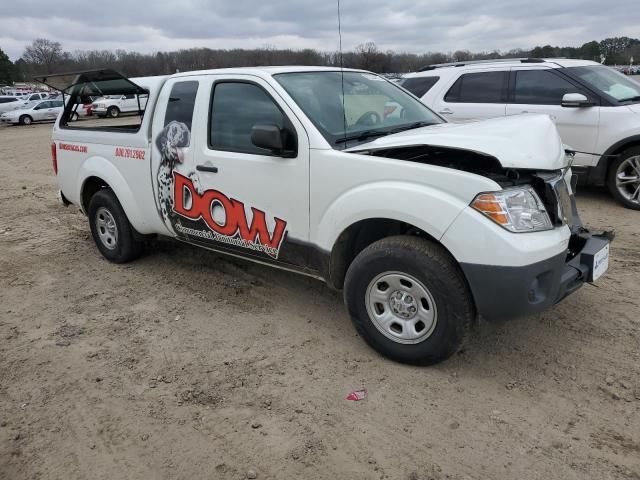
(115, 105)
(425, 225)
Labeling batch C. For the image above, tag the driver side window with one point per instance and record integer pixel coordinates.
(236, 108)
(541, 87)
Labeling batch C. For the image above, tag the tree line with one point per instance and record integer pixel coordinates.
(47, 56)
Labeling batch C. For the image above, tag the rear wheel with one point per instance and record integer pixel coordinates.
(408, 299)
(26, 120)
(624, 178)
(113, 112)
(111, 230)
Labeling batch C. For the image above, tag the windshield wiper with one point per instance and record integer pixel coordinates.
(411, 126)
(363, 136)
(631, 99)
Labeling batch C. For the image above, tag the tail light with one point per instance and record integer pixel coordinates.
(54, 157)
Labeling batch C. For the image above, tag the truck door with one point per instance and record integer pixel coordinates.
(227, 193)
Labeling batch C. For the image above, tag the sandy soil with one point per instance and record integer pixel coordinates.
(189, 365)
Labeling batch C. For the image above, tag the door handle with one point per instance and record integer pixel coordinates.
(445, 111)
(207, 168)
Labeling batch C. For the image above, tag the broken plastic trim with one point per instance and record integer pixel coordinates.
(448, 157)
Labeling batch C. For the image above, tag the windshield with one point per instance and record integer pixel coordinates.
(608, 81)
(371, 106)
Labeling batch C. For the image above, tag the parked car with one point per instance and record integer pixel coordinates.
(596, 109)
(86, 106)
(34, 97)
(34, 112)
(8, 102)
(423, 224)
(115, 105)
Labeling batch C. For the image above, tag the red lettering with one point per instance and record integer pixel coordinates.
(209, 200)
(203, 205)
(73, 148)
(258, 229)
(129, 153)
(181, 185)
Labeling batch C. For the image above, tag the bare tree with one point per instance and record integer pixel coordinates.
(43, 54)
(46, 56)
(366, 54)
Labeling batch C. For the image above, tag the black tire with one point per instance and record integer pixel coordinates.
(126, 247)
(431, 265)
(113, 112)
(26, 120)
(622, 193)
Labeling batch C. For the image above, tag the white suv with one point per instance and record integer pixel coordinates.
(595, 108)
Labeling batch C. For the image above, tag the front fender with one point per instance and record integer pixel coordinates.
(424, 207)
(105, 170)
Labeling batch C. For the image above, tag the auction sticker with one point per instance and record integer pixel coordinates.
(600, 263)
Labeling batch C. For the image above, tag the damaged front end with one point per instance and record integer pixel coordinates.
(531, 288)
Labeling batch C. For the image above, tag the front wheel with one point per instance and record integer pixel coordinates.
(111, 230)
(26, 120)
(624, 178)
(113, 112)
(408, 299)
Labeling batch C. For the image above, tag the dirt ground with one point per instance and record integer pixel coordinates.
(189, 365)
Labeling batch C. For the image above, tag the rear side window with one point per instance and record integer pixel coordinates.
(236, 108)
(182, 101)
(480, 87)
(541, 87)
(8, 100)
(419, 85)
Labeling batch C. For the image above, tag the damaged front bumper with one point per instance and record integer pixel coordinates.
(502, 292)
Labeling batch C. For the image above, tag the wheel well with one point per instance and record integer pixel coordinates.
(90, 187)
(359, 236)
(600, 172)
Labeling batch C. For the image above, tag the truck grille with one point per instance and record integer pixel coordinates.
(554, 193)
(565, 205)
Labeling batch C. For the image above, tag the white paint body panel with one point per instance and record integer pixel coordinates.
(323, 191)
(526, 141)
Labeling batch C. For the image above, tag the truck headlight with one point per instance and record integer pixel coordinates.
(516, 209)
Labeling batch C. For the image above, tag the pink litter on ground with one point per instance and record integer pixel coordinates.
(357, 395)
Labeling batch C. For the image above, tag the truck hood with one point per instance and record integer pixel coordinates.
(522, 141)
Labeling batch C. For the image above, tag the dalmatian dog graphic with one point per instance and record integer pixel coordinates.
(172, 143)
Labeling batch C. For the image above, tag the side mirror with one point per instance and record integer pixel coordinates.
(268, 137)
(575, 100)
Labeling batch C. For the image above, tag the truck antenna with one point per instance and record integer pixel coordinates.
(344, 111)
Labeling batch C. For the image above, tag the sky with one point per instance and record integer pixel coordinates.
(402, 25)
